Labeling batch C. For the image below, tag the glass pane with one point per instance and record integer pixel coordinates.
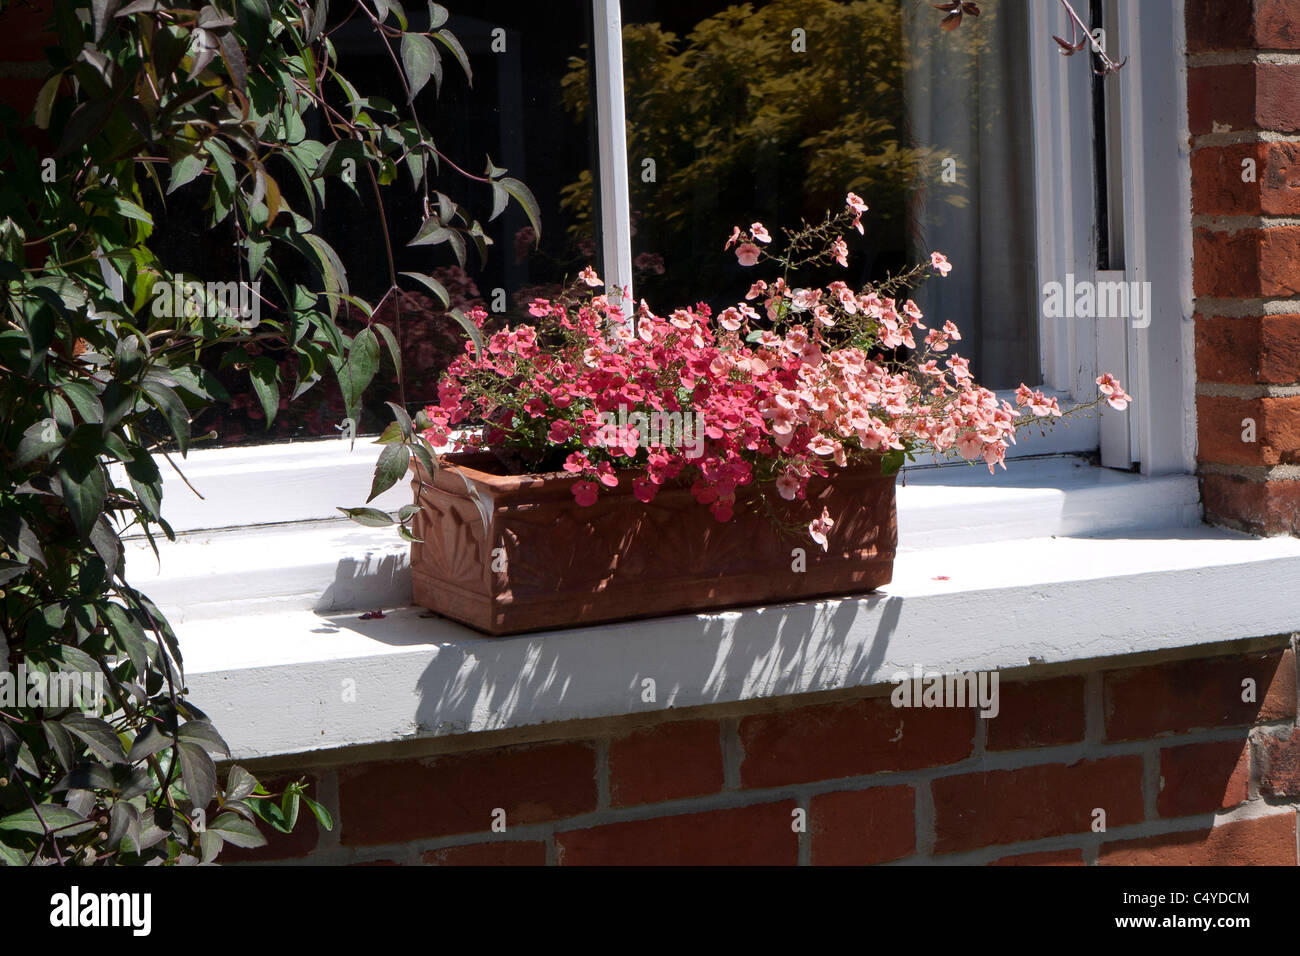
(969, 113)
(773, 111)
(521, 53)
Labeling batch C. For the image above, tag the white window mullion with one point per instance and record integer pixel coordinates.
(611, 130)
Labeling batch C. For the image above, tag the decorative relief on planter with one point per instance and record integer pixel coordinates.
(516, 553)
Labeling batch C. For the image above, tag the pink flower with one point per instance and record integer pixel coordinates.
(759, 232)
(729, 319)
(588, 275)
(560, 432)
(950, 330)
(748, 253)
(820, 527)
(940, 263)
(840, 252)
(856, 204)
(787, 486)
(1116, 397)
(735, 236)
(644, 489)
(576, 462)
(584, 493)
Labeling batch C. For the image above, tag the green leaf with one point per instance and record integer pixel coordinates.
(45, 100)
(403, 419)
(97, 735)
(432, 232)
(289, 808)
(102, 12)
(358, 371)
(130, 635)
(449, 40)
(237, 831)
(370, 517)
(320, 813)
(81, 478)
(263, 375)
(892, 462)
(147, 743)
(38, 440)
(392, 465)
(198, 773)
(524, 196)
(471, 330)
(239, 783)
(205, 735)
(173, 409)
(438, 15)
(27, 821)
(130, 210)
(433, 285)
(418, 56)
(186, 170)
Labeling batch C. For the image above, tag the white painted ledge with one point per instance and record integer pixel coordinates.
(275, 683)
(1052, 561)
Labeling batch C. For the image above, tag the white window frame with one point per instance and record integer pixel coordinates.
(1151, 362)
(1155, 363)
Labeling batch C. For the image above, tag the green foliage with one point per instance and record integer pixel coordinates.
(146, 103)
(730, 106)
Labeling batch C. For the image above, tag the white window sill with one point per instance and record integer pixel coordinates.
(1051, 562)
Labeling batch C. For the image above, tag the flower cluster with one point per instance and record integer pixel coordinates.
(786, 385)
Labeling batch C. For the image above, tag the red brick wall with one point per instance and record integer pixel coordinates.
(1243, 102)
(1185, 770)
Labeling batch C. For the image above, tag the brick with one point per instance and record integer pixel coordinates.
(1217, 185)
(1266, 841)
(860, 827)
(1143, 702)
(1221, 98)
(1246, 263)
(1220, 430)
(1203, 778)
(1215, 25)
(407, 800)
(1279, 260)
(760, 835)
(1226, 265)
(1250, 350)
(19, 93)
(666, 762)
(829, 741)
(497, 853)
(1262, 507)
(24, 37)
(1009, 806)
(1042, 713)
(295, 845)
(1279, 179)
(1044, 858)
(1277, 24)
(1280, 773)
(1277, 98)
